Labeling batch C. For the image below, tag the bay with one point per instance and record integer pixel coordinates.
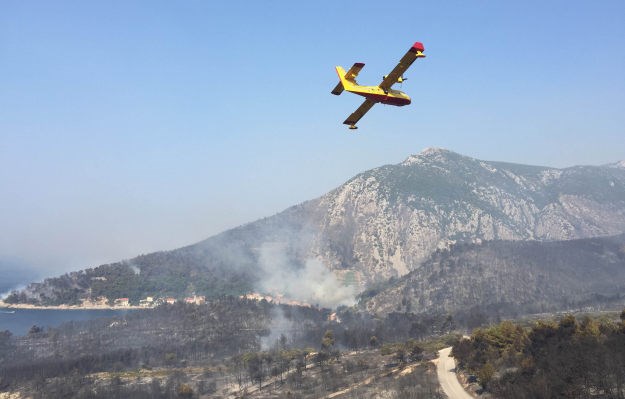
(19, 321)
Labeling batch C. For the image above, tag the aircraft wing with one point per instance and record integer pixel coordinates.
(359, 113)
(416, 51)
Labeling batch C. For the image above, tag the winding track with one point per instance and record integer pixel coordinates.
(445, 369)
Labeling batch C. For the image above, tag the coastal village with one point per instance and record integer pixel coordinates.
(148, 302)
(103, 302)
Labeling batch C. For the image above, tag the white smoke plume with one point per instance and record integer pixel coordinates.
(131, 265)
(18, 288)
(5, 294)
(279, 326)
(313, 283)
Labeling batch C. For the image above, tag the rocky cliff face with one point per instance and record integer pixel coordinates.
(382, 223)
(386, 221)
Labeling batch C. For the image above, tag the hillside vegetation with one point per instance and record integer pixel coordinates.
(510, 278)
(569, 358)
(225, 348)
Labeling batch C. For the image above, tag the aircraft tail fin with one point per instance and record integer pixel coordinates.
(347, 79)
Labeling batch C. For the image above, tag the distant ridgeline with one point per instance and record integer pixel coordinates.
(509, 278)
(408, 222)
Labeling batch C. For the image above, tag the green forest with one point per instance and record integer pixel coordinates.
(568, 358)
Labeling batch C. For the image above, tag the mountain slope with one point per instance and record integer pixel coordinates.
(404, 212)
(511, 276)
(382, 223)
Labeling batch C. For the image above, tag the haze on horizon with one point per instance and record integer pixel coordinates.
(127, 128)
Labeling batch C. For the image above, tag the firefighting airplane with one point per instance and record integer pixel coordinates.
(377, 94)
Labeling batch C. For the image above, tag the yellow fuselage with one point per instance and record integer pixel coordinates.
(376, 94)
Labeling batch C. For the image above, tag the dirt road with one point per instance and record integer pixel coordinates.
(445, 369)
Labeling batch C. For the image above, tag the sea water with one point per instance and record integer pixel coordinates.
(19, 321)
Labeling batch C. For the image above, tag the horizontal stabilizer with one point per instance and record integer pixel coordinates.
(354, 71)
(349, 76)
(338, 89)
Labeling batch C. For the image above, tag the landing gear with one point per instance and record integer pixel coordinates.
(353, 127)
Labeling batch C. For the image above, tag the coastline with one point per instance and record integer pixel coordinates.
(67, 307)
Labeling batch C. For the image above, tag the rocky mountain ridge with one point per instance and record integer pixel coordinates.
(391, 218)
(382, 223)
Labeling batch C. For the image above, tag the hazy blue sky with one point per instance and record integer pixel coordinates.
(133, 126)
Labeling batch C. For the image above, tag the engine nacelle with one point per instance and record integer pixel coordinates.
(399, 79)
